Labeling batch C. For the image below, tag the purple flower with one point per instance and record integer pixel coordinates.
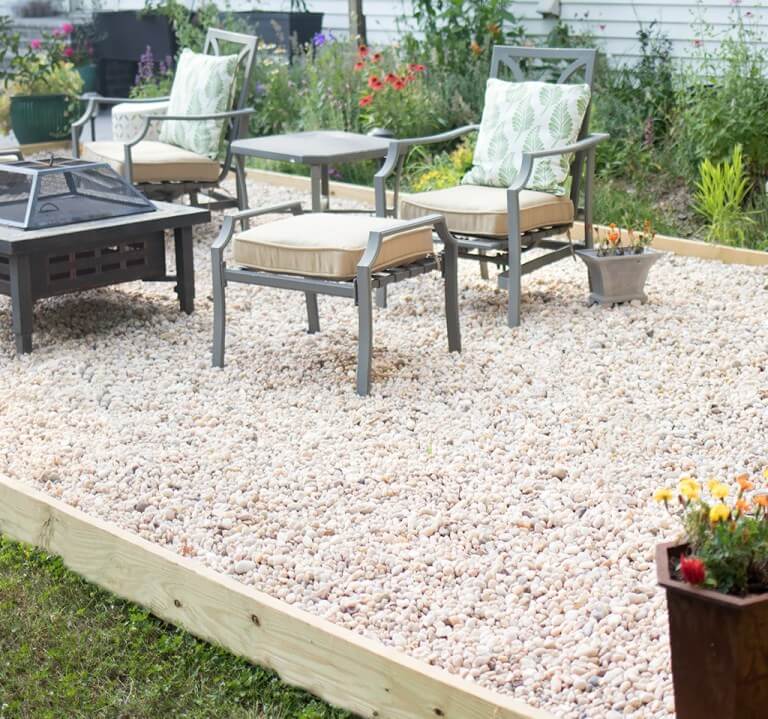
(318, 39)
(260, 89)
(146, 70)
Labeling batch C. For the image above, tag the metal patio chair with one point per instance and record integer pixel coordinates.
(497, 225)
(342, 255)
(164, 171)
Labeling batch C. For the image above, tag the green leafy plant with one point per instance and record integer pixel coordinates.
(442, 170)
(190, 28)
(723, 95)
(720, 196)
(728, 549)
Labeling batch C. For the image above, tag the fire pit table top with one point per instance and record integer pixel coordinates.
(14, 240)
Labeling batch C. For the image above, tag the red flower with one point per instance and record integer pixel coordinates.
(367, 100)
(398, 84)
(376, 57)
(390, 78)
(68, 52)
(374, 83)
(693, 570)
(359, 66)
(362, 51)
(415, 67)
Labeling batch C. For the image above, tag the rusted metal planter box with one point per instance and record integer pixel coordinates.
(719, 647)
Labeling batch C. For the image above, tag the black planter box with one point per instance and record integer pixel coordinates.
(126, 34)
(284, 29)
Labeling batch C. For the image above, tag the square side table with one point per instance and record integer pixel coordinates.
(318, 149)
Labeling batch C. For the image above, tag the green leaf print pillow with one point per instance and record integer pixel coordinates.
(527, 116)
(203, 85)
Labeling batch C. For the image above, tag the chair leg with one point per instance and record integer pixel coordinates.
(364, 333)
(381, 296)
(515, 258)
(483, 265)
(242, 188)
(451, 280)
(313, 316)
(219, 312)
(194, 200)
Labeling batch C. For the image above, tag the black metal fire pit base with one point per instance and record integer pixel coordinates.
(35, 264)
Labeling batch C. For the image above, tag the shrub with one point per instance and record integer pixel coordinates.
(720, 197)
(442, 170)
(723, 98)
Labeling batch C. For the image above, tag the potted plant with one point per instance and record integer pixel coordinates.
(81, 51)
(286, 30)
(41, 87)
(716, 580)
(617, 272)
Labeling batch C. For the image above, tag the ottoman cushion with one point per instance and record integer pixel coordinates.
(326, 245)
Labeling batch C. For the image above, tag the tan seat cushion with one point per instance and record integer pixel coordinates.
(8, 158)
(155, 161)
(326, 245)
(482, 211)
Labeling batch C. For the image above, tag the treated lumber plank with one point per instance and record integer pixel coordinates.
(345, 669)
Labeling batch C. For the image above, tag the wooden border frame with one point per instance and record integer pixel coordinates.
(677, 245)
(335, 664)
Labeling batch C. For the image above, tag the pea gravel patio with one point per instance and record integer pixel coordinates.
(488, 512)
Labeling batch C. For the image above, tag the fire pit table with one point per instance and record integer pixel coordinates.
(49, 259)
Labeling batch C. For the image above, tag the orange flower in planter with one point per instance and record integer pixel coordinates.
(744, 484)
(761, 500)
(742, 506)
(693, 570)
(614, 234)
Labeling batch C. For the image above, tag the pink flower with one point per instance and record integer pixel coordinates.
(602, 27)
(56, 32)
(68, 52)
(696, 42)
(36, 44)
(67, 28)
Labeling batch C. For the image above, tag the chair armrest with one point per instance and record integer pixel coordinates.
(526, 166)
(100, 100)
(149, 119)
(229, 221)
(376, 237)
(213, 116)
(396, 157)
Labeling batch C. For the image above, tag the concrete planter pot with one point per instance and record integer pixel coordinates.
(719, 647)
(618, 278)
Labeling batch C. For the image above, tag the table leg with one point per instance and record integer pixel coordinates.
(185, 268)
(316, 179)
(325, 187)
(21, 302)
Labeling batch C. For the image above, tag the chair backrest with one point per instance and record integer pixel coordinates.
(246, 51)
(216, 43)
(559, 65)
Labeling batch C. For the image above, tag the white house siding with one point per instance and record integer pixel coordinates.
(615, 23)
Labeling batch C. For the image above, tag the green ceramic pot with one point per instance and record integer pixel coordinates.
(39, 118)
(88, 76)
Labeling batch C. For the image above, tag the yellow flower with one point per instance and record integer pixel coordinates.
(689, 488)
(719, 490)
(765, 473)
(663, 494)
(719, 513)
(711, 483)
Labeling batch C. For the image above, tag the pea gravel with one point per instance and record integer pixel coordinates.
(486, 512)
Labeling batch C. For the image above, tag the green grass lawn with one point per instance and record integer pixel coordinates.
(69, 649)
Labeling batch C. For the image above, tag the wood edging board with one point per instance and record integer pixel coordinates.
(677, 245)
(331, 662)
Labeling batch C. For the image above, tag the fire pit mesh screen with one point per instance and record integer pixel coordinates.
(35, 194)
